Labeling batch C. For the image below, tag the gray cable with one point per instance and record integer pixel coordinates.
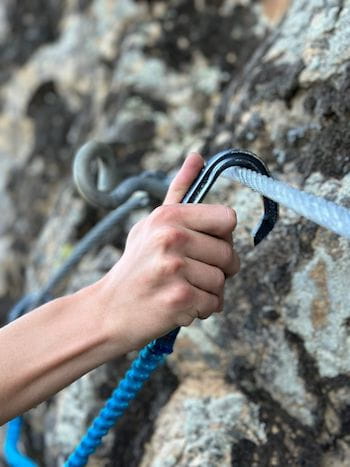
(92, 239)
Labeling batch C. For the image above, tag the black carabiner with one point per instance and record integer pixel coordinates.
(215, 166)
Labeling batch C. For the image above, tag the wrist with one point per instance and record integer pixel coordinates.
(107, 319)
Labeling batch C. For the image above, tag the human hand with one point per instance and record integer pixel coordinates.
(174, 266)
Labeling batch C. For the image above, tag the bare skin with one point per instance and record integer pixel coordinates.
(173, 270)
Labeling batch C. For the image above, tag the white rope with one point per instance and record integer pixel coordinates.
(326, 213)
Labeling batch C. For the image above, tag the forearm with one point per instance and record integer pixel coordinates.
(52, 346)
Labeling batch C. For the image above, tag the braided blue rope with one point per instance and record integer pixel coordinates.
(149, 358)
(12, 455)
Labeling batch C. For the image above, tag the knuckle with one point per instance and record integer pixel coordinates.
(165, 213)
(181, 295)
(171, 266)
(169, 236)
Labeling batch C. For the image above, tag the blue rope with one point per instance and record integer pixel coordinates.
(12, 456)
(149, 358)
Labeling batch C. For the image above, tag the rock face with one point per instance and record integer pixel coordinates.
(267, 381)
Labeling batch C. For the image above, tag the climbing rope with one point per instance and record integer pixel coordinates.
(12, 455)
(149, 358)
(325, 213)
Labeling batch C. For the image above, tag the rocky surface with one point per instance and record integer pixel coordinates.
(267, 381)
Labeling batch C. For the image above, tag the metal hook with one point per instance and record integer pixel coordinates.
(215, 166)
(84, 178)
(106, 194)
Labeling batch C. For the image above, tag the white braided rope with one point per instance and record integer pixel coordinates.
(326, 213)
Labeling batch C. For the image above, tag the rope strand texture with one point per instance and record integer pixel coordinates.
(149, 358)
(325, 213)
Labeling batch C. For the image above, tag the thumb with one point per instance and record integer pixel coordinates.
(184, 178)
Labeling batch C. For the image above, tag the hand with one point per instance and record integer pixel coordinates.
(174, 266)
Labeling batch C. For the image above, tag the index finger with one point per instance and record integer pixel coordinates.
(216, 220)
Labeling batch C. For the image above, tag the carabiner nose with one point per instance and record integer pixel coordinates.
(215, 166)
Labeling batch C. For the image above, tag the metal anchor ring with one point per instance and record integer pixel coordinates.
(84, 178)
(105, 193)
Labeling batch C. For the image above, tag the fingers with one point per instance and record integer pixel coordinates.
(197, 292)
(207, 278)
(216, 220)
(200, 237)
(170, 235)
(212, 251)
(183, 180)
(206, 304)
(201, 305)
(208, 282)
